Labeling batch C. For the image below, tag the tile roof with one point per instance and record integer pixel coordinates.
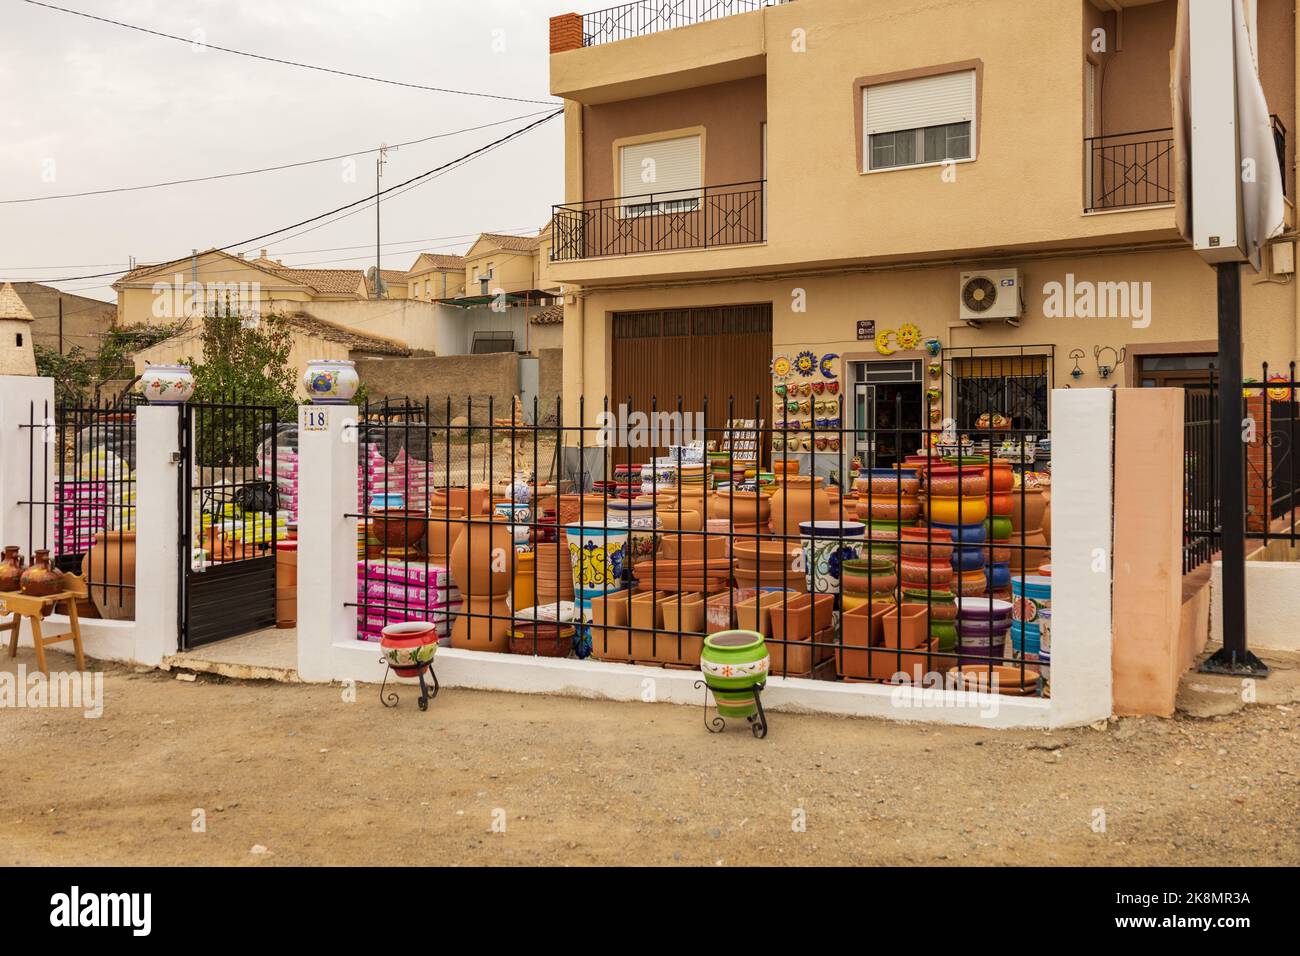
(11, 306)
(323, 280)
(430, 260)
(552, 316)
(511, 243)
(332, 332)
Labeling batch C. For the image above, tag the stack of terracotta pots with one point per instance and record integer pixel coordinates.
(767, 563)
(482, 567)
(1028, 540)
(927, 575)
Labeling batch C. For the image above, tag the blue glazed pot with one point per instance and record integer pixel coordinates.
(999, 576)
(964, 533)
(968, 559)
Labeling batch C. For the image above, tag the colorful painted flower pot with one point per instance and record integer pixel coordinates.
(598, 556)
(167, 384)
(1030, 593)
(965, 511)
(946, 634)
(330, 381)
(826, 545)
(974, 533)
(980, 640)
(640, 518)
(733, 662)
(409, 647)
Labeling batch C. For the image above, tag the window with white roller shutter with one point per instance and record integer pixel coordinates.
(660, 176)
(913, 122)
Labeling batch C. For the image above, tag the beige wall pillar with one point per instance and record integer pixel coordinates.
(1149, 654)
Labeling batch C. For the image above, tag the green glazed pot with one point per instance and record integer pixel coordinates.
(998, 528)
(733, 662)
(946, 632)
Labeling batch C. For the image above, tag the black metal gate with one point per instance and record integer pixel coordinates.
(228, 521)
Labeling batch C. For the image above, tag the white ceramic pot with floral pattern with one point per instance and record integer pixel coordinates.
(330, 381)
(167, 384)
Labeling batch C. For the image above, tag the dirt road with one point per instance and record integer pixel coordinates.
(294, 774)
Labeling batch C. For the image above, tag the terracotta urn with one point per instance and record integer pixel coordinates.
(110, 574)
(445, 526)
(11, 569)
(1047, 516)
(480, 559)
(800, 498)
(42, 578)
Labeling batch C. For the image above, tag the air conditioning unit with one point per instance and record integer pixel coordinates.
(989, 296)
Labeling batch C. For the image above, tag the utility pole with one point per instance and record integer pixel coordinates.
(379, 172)
(60, 323)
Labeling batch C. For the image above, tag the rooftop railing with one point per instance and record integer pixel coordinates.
(652, 16)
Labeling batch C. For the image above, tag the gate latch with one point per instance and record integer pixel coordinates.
(177, 458)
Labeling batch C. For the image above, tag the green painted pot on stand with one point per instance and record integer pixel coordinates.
(735, 666)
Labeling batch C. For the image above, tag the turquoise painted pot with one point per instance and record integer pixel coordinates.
(732, 663)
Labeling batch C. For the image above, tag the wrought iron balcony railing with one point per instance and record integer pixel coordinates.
(1127, 170)
(652, 16)
(701, 218)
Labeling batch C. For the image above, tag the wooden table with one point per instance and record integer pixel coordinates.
(31, 606)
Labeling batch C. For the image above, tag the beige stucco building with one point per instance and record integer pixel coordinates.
(844, 179)
(163, 294)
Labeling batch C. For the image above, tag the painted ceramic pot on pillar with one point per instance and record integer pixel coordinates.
(733, 662)
(167, 384)
(330, 381)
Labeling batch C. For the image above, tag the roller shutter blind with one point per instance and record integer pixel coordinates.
(916, 104)
(675, 169)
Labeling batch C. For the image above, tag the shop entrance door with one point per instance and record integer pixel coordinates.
(888, 412)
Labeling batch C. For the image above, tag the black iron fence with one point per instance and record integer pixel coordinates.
(1269, 429)
(652, 16)
(550, 540)
(702, 218)
(81, 503)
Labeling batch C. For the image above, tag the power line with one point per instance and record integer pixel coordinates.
(287, 252)
(265, 169)
(271, 59)
(408, 184)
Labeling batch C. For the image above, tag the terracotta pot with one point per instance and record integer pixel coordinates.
(922, 544)
(741, 507)
(869, 575)
(884, 508)
(472, 564)
(950, 481)
(399, 529)
(1029, 550)
(11, 569)
(937, 574)
(1047, 516)
(471, 501)
(111, 562)
(1034, 507)
(444, 527)
(799, 499)
(906, 627)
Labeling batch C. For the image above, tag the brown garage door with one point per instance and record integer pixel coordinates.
(722, 355)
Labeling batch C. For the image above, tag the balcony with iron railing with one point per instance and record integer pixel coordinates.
(1135, 170)
(642, 17)
(672, 221)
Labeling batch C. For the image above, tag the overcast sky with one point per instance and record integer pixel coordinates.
(85, 105)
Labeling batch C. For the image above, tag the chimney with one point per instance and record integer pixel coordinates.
(262, 254)
(566, 32)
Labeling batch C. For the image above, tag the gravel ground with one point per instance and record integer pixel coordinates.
(235, 773)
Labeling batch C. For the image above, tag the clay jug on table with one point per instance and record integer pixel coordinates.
(11, 569)
(42, 578)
